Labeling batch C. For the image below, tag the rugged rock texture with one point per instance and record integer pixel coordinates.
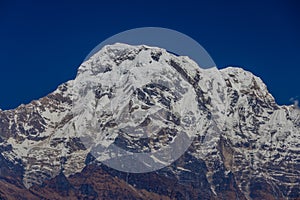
(247, 147)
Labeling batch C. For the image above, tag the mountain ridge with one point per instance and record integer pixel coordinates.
(248, 145)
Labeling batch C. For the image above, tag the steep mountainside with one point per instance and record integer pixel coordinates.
(239, 143)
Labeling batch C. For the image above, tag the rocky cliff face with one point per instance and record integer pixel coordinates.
(142, 99)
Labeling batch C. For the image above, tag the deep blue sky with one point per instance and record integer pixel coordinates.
(42, 44)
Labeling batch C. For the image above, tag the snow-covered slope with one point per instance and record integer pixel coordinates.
(124, 91)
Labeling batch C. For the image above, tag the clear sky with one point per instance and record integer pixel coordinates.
(43, 44)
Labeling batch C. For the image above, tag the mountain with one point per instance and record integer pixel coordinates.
(140, 123)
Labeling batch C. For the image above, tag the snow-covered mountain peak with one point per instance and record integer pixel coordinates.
(240, 135)
(245, 82)
(115, 54)
(137, 91)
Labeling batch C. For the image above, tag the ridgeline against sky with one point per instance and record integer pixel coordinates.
(42, 44)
